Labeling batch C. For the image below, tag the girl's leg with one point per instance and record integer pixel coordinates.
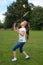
(14, 51)
(14, 54)
(26, 55)
(23, 52)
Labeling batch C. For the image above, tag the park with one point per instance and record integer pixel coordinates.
(18, 11)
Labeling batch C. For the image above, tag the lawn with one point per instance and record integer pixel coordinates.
(34, 47)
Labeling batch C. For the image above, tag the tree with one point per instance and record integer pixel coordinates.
(16, 11)
(37, 18)
(1, 25)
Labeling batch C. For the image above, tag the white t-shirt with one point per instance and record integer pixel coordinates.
(22, 38)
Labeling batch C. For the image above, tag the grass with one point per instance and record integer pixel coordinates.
(34, 47)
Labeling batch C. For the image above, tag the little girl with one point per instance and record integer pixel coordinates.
(22, 39)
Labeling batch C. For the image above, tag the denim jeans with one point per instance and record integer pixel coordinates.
(20, 46)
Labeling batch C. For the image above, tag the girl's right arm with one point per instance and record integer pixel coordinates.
(15, 28)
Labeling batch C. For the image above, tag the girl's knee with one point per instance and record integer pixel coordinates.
(14, 49)
(20, 50)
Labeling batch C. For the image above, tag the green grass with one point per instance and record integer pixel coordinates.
(34, 47)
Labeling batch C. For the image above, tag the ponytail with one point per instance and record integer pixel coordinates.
(27, 30)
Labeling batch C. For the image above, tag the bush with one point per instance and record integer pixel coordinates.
(1, 25)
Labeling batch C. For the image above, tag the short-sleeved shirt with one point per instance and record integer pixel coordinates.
(22, 38)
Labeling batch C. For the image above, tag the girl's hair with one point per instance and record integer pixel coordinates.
(27, 30)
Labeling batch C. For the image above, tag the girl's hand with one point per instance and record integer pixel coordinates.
(17, 30)
(14, 24)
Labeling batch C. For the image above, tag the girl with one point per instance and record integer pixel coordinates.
(22, 39)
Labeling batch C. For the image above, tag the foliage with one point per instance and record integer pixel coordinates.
(15, 13)
(37, 18)
(17, 10)
(1, 25)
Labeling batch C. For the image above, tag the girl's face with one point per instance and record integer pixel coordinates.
(24, 23)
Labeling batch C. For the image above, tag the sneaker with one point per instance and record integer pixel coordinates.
(14, 60)
(27, 57)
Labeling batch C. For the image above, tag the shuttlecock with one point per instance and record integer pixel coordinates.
(24, 5)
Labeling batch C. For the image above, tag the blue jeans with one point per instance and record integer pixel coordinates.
(20, 46)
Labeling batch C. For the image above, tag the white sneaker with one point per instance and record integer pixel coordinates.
(27, 57)
(14, 60)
